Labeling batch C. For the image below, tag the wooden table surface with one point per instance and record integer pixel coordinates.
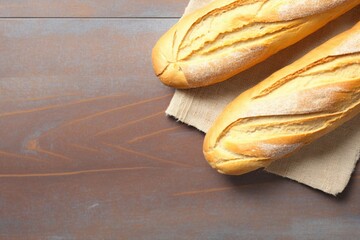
(86, 151)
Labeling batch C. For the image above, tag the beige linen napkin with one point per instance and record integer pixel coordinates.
(326, 164)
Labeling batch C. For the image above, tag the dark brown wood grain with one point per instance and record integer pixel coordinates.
(91, 8)
(86, 151)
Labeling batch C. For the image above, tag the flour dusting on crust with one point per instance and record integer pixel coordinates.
(208, 71)
(303, 8)
(351, 45)
(306, 101)
(275, 151)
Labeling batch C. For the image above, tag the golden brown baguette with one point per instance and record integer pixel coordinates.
(228, 36)
(293, 107)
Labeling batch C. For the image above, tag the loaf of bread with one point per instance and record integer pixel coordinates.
(226, 37)
(293, 107)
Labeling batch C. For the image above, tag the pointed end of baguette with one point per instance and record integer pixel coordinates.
(169, 72)
(233, 166)
(229, 165)
(240, 167)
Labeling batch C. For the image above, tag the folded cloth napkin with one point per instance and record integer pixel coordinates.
(326, 164)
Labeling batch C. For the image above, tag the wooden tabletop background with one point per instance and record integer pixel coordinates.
(86, 151)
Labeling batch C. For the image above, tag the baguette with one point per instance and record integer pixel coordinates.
(293, 107)
(226, 37)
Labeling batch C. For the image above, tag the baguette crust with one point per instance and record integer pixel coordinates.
(293, 107)
(226, 37)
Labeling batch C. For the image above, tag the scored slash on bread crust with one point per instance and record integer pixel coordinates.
(226, 37)
(293, 107)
